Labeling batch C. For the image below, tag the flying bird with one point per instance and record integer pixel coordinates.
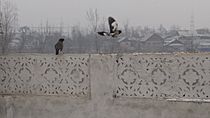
(113, 26)
(59, 46)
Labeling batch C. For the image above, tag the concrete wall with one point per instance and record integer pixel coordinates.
(105, 86)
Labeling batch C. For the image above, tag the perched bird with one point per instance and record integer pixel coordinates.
(113, 26)
(59, 46)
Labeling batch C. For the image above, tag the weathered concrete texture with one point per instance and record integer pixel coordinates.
(64, 107)
(2, 108)
(102, 103)
(63, 75)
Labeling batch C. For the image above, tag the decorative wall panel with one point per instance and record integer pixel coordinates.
(163, 76)
(45, 75)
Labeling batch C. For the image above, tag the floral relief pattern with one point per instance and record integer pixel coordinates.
(135, 75)
(163, 76)
(45, 75)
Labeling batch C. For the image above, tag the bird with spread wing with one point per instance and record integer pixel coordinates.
(113, 26)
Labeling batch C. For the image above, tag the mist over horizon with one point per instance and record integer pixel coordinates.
(150, 13)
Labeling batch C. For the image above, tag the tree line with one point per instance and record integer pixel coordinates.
(41, 39)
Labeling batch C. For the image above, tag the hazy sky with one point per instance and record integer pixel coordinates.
(137, 12)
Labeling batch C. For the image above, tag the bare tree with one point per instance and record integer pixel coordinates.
(126, 29)
(77, 35)
(45, 37)
(24, 31)
(8, 20)
(102, 25)
(93, 19)
(175, 28)
(162, 30)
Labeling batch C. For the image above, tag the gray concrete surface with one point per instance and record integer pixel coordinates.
(100, 101)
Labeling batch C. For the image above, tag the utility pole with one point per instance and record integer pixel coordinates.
(1, 25)
(192, 31)
(192, 25)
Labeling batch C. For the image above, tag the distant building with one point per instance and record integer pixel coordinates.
(203, 43)
(172, 33)
(15, 42)
(174, 46)
(1, 29)
(152, 43)
(185, 40)
(204, 47)
(128, 44)
(203, 31)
